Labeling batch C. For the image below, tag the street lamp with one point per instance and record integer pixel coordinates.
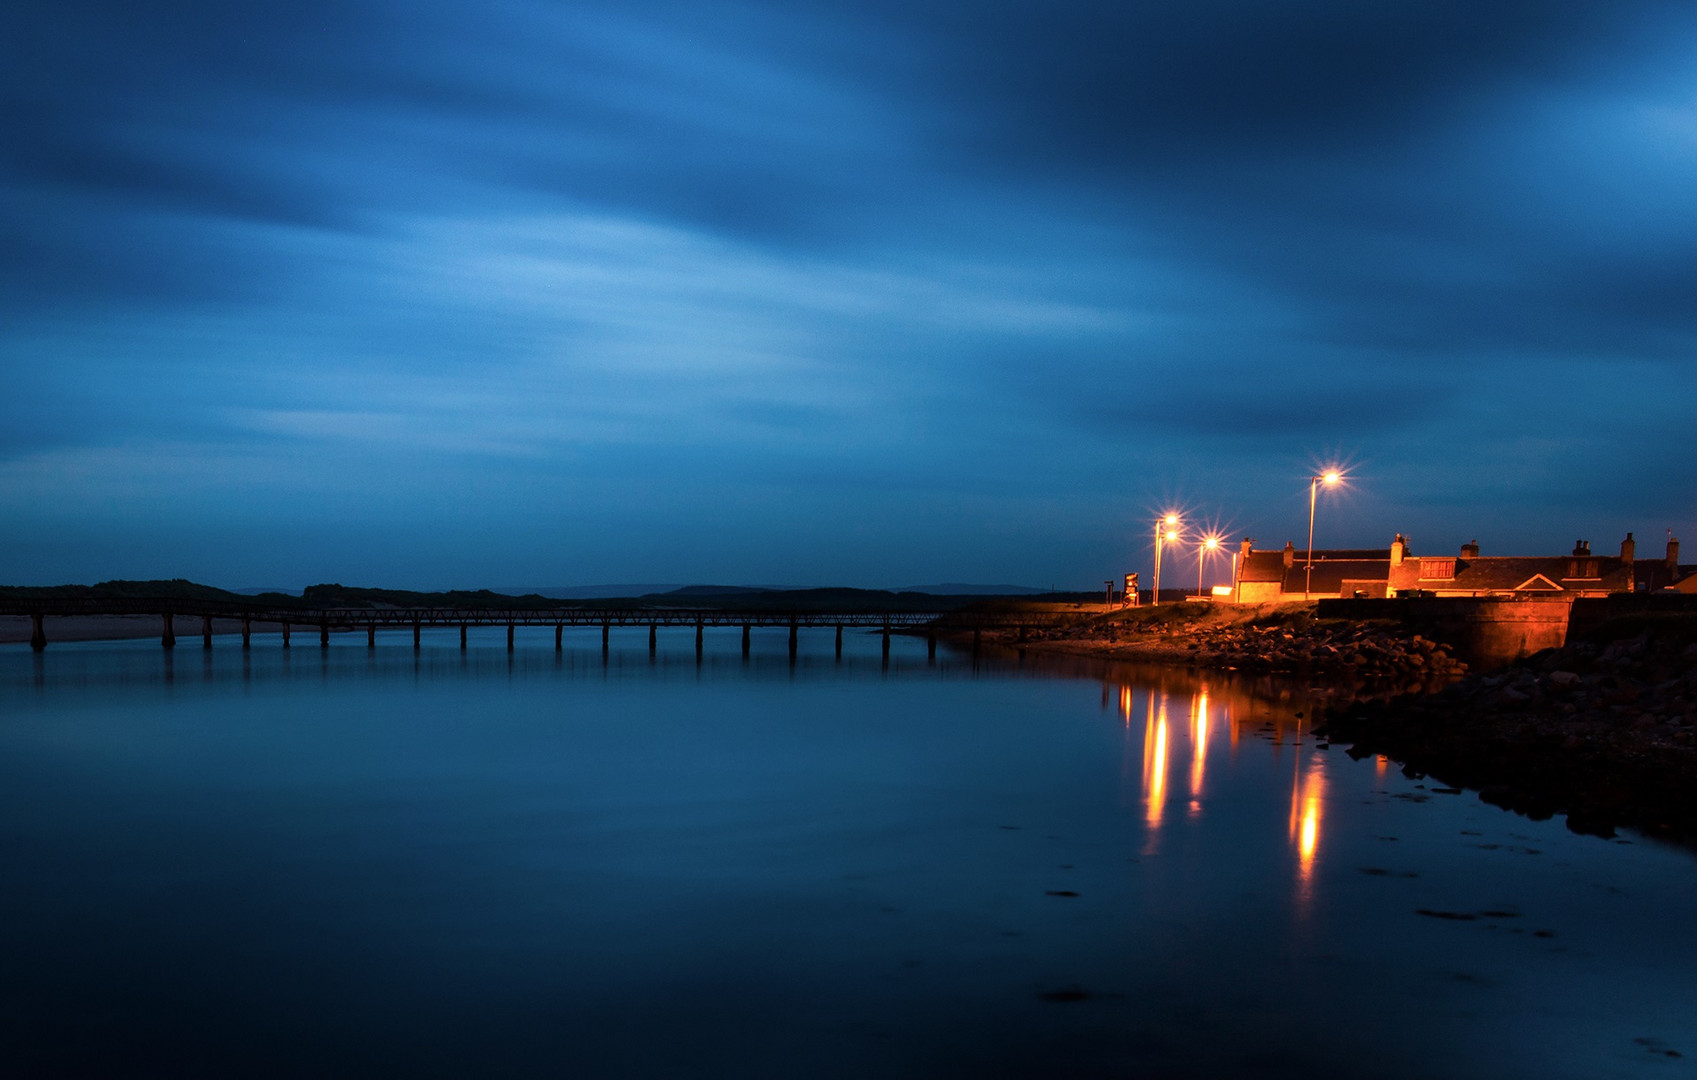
(1329, 477)
(1166, 531)
(1208, 544)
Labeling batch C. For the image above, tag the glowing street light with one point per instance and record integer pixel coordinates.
(1329, 478)
(1166, 532)
(1208, 544)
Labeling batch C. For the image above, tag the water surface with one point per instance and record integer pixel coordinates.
(445, 864)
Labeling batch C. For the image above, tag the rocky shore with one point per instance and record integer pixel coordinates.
(1272, 640)
(1603, 730)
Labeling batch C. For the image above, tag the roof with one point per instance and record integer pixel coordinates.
(1491, 574)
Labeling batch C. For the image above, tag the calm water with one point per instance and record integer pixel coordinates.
(352, 862)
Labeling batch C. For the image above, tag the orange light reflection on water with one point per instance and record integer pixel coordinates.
(1307, 803)
(1198, 747)
(1155, 761)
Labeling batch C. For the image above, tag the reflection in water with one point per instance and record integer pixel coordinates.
(1155, 761)
(628, 836)
(1268, 709)
(1198, 747)
(1306, 799)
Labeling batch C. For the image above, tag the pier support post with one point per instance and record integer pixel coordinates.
(977, 639)
(324, 634)
(371, 635)
(285, 633)
(653, 639)
(792, 639)
(509, 637)
(839, 641)
(745, 639)
(559, 637)
(37, 633)
(462, 637)
(416, 628)
(698, 640)
(206, 631)
(606, 632)
(931, 645)
(168, 637)
(247, 632)
(886, 640)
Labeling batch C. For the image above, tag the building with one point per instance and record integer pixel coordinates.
(1284, 576)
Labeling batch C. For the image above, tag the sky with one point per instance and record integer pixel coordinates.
(518, 293)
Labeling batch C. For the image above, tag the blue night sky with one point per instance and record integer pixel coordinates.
(863, 293)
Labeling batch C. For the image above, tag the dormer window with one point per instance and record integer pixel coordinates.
(1437, 569)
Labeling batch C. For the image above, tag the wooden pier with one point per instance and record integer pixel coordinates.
(932, 624)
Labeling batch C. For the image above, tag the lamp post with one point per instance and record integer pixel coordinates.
(1208, 544)
(1328, 478)
(1166, 531)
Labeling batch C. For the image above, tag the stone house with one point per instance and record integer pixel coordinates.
(1283, 576)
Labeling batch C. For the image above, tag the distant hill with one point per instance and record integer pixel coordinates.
(706, 597)
(590, 592)
(955, 588)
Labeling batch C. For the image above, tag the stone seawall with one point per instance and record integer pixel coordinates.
(1490, 631)
(1484, 631)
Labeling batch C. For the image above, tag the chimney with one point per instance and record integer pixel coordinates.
(1290, 554)
(1244, 549)
(1673, 557)
(1582, 547)
(1470, 550)
(1628, 550)
(1399, 548)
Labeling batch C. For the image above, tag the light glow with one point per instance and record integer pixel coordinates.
(1199, 744)
(1155, 762)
